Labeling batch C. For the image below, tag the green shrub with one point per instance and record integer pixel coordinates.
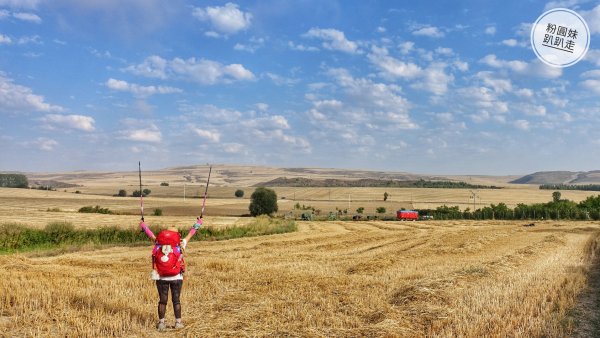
(157, 212)
(96, 209)
(13, 181)
(239, 193)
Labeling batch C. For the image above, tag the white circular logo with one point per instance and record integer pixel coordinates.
(560, 37)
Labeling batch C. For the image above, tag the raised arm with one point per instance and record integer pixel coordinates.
(147, 231)
(193, 230)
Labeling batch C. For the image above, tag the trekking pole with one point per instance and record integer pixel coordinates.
(141, 194)
(205, 192)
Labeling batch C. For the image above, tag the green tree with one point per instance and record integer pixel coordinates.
(380, 210)
(122, 193)
(556, 196)
(263, 201)
(13, 181)
(239, 193)
(385, 196)
(360, 210)
(146, 192)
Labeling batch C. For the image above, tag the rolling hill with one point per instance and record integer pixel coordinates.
(560, 177)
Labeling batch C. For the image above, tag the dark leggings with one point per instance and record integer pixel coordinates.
(163, 292)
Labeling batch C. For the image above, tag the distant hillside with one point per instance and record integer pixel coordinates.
(371, 183)
(560, 177)
(230, 175)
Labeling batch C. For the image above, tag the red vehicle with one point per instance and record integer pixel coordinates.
(407, 215)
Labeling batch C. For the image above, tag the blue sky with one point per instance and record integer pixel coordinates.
(438, 87)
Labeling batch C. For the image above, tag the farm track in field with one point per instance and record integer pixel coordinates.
(329, 279)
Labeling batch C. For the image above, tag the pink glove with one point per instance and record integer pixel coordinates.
(198, 223)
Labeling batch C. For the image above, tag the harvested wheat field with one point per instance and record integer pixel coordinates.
(329, 279)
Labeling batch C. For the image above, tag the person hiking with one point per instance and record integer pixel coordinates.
(168, 268)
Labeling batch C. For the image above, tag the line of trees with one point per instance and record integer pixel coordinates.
(555, 209)
(13, 181)
(585, 187)
(371, 182)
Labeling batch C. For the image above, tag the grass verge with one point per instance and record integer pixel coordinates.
(15, 237)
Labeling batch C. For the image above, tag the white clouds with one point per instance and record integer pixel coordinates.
(430, 31)
(562, 4)
(376, 105)
(246, 132)
(15, 98)
(238, 72)
(43, 143)
(593, 81)
(225, 20)
(482, 98)
(531, 109)
(444, 51)
(35, 39)
(29, 17)
(25, 4)
(390, 66)
(210, 135)
(490, 30)
(461, 65)
(79, 122)
(302, 48)
(493, 81)
(209, 72)
(281, 80)
(444, 117)
(153, 66)
(434, 79)
(510, 42)
(271, 122)
(5, 40)
(252, 46)
(593, 56)
(333, 39)
(262, 106)
(233, 148)
(521, 124)
(201, 71)
(370, 94)
(406, 47)
(592, 17)
(535, 68)
(140, 131)
(524, 92)
(138, 90)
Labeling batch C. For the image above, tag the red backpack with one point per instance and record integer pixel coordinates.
(167, 258)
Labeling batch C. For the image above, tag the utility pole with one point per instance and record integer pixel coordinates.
(474, 196)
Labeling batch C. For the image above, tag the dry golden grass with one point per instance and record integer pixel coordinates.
(367, 279)
(404, 279)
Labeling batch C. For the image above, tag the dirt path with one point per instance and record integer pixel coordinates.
(587, 312)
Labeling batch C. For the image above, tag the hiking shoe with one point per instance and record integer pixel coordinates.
(178, 325)
(161, 326)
